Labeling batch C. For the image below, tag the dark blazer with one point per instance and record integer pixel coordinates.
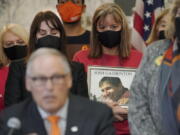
(15, 90)
(90, 118)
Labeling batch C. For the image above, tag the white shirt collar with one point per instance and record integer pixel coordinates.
(62, 113)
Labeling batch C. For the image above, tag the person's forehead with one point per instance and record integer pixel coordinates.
(46, 25)
(9, 36)
(106, 84)
(47, 65)
(109, 18)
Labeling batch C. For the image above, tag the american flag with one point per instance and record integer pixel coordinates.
(144, 15)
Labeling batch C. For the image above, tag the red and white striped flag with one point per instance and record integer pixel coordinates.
(143, 18)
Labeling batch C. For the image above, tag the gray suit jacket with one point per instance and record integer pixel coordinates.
(144, 117)
(89, 117)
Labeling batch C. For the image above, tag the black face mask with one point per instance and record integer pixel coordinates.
(49, 41)
(109, 39)
(16, 52)
(161, 35)
(177, 27)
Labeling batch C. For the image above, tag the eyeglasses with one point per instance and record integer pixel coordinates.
(42, 80)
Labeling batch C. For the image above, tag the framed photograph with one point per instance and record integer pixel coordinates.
(110, 83)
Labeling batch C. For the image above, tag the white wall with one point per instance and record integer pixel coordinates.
(91, 6)
(23, 11)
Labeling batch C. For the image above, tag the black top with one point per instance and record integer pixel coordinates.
(82, 39)
(15, 90)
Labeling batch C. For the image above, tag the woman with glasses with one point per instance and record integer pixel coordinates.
(46, 31)
(13, 47)
(110, 46)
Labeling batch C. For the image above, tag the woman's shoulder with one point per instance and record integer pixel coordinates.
(136, 55)
(136, 52)
(4, 68)
(18, 63)
(76, 66)
(82, 56)
(21, 65)
(4, 71)
(81, 53)
(158, 46)
(153, 50)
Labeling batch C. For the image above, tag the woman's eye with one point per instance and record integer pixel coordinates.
(42, 33)
(8, 44)
(101, 27)
(54, 32)
(20, 42)
(114, 27)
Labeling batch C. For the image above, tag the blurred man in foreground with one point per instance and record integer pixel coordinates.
(51, 110)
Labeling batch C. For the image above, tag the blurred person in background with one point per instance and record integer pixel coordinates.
(13, 47)
(154, 95)
(159, 27)
(71, 12)
(110, 46)
(46, 31)
(52, 110)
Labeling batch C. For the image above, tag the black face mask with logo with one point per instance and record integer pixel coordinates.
(49, 41)
(177, 30)
(109, 39)
(16, 52)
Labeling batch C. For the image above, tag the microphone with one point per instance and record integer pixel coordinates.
(13, 123)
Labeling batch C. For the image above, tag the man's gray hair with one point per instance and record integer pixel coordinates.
(47, 52)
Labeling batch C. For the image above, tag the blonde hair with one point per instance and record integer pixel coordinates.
(119, 16)
(171, 27)
(16, 29)
(154, 34)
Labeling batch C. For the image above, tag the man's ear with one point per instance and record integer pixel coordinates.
(69, 81)
(28, 84)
